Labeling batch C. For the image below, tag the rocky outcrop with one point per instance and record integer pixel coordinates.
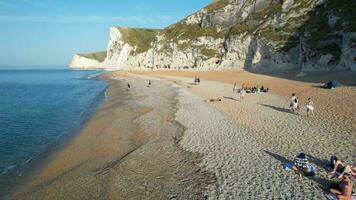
(256, 35)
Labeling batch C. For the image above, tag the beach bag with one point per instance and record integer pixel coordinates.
(288, 166)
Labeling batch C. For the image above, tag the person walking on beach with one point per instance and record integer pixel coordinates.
(310, 107)
(149, 83)
(294, 103)
(242, 93)
(128, 85)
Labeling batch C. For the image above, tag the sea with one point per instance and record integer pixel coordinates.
(39, 111)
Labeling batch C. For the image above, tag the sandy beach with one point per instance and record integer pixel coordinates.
(272, 135)
(166, 141)
(128, 150)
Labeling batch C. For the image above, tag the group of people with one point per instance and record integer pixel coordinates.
(196, 80)
(344, 172)
(149, 84)
(244, 89)
(294, 104)
(254, 89)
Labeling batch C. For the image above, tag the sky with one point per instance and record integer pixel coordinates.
(47, 33)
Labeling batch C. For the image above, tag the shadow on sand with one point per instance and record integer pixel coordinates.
(286, 110)
(322, 182)
(231, 98)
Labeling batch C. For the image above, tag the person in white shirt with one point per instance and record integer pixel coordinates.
(310, 107)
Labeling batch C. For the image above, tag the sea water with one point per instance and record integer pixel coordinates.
(38, 108)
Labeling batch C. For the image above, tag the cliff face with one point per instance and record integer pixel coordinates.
(88, 61)
(256, 35)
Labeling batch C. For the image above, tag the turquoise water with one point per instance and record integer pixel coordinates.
(38, 108)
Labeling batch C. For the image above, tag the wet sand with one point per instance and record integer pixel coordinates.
(128, 150)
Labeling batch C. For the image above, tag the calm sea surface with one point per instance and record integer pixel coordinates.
(38, 109)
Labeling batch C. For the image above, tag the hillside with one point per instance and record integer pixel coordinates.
(256, 35)
(99, 56)
(88, 61)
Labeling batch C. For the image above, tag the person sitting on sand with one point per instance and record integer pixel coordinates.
(341, 168)
(212, 100)
(343, 190)
(263, 89)
(300, 163)
(310, 107)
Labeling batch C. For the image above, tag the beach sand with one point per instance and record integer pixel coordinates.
(247, 157)
(128, 150)
(168, 141)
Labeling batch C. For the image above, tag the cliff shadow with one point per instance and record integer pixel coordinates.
(318, 32)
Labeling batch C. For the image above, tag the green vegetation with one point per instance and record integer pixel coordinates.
(273, 9)
(99, 56)
(242, 28)
(209, 53)
(182, 31)
(346, 10)
(217, 4)
(139, 37)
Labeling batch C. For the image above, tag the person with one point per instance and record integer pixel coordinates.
(128, 85)
(310, 107)
(295, 105)
(242, 93)
(339, 167)
(213, 100)
(257, 88)
(292, 101)
(198, 80)
(149, 83)
(343, 190)
(300, 164)
(234, 88)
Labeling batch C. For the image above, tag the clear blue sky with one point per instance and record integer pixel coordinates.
(47, 33)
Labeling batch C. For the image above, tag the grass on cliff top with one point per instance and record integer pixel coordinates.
(242, 28)
(216, 5)
(139, 37)
(182, 31)
(99, 56)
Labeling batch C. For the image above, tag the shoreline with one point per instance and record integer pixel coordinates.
(211, 150)
(38, 164)
(121, 133)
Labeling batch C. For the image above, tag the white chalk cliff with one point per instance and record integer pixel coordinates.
(256, 35)
(88, 61)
